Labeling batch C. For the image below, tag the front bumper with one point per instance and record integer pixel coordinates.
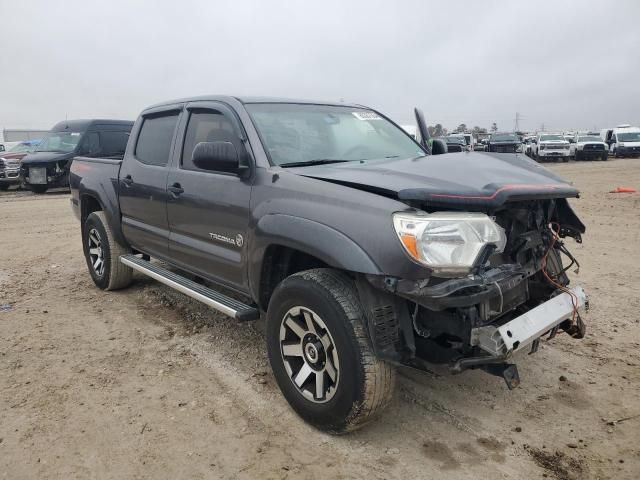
(592, 153)
(9, 176)
(553, 153)
(47, 175)
(522, 331)
(628, 150)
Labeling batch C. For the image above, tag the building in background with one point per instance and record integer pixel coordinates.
(21, 134)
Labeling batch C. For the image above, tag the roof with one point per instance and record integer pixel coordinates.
(84, 124)
(250, 99)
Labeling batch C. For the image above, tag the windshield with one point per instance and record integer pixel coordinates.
(589, 138)
(504, 137)
(459, 140)
(63, 142)
(306, 133)
(24, 147)
(546, 138)
(629, 137)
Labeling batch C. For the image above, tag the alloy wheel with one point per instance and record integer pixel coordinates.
(309, 354)
(96, 252)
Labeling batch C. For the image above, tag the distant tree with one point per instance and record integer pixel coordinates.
(439, 130)
(494, 127)
(462, 128)
(478, 131)
(432, 131)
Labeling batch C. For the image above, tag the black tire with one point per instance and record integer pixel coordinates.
(114, 274)
(4, 187)
(364, 384)
(577, 155)
(38, 188)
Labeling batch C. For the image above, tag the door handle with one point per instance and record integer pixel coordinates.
(176, 189)
(128, 181)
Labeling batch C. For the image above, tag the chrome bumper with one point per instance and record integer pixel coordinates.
(525, 329)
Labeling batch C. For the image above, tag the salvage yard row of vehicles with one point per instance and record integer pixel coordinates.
(363, 248)
(43, 164)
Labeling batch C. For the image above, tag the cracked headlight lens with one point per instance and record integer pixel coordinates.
(449, 243)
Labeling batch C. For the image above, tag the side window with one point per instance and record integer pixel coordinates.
(154, 141)
(113, 143)
(91, 144)
(207, 126)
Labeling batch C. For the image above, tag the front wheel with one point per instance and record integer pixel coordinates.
(102, 253)
(320, 354)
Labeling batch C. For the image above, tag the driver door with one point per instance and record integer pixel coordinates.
(208, 211)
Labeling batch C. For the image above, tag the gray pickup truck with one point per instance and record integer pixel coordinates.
(362, 248)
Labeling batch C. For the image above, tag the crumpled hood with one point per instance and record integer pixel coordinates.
(45, 158)
(473, 179)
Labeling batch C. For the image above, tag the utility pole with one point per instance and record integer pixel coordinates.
(517, 123)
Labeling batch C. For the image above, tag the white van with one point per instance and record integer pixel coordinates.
(624, 140)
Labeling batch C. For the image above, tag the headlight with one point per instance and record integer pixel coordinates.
(621, 144)
(519, 148)
(447, 242)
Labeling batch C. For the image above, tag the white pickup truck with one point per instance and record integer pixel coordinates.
(550, 146)
(588, 146)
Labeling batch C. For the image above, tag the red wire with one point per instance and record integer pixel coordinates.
(574, 297)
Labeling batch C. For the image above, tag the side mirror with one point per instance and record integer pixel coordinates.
(438, 146)
(217, 156)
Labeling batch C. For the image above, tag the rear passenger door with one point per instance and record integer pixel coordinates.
(208, 211)
(143, 182)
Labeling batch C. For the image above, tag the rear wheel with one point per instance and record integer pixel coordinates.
(38, 188)
(320, 354)
(102, 254)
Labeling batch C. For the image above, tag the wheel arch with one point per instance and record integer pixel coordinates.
(283, 244)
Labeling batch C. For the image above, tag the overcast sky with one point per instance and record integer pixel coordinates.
(565, 64)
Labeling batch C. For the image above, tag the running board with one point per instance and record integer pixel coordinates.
(216, 300)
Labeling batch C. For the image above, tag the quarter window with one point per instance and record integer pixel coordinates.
(154, 140)
(114, 143)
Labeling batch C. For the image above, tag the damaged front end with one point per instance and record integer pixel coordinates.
(505, 304)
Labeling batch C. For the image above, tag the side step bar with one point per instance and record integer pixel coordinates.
(216, 300)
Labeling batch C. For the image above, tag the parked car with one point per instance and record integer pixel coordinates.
(504, 143)
(361, 249)
(622, 141)
(550, 146)
(527, 143)
(455, 144)
(10, 162)
(48, 166)
(588, 146)
(468, 140)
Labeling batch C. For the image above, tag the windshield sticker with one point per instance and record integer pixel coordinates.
(366, 116)
(75, 134)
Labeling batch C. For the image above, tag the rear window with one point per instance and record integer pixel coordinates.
(154, 140)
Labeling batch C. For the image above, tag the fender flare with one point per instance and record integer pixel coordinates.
(313, 238)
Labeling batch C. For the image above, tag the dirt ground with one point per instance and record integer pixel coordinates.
(145, 383)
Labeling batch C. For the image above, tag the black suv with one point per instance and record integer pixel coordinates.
(48, 166)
